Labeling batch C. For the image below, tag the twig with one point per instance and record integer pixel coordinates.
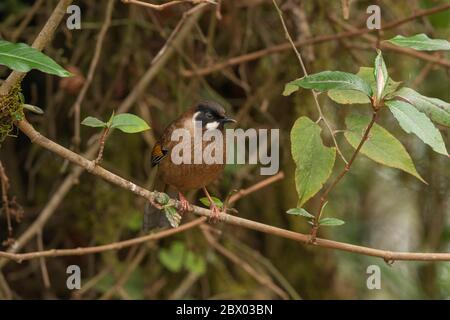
(4, 288)
(19, 257)
(305, 72)
(5, 187)
(166, 5)
(90, 76)
(320, 39)
(44, 270)
(184, 286)
(101, 145)
(30, 14)
(263, 280)
(347, 167)
(262, 184)
(388, 46)
(126, 273)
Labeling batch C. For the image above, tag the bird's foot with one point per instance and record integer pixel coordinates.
(185, 205)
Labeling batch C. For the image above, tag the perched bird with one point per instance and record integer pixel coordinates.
(208, 115)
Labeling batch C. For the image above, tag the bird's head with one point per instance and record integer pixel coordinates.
(211, 115)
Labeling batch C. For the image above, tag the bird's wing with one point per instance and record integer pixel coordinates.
(158, 153)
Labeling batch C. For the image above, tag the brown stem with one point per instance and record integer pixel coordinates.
(102, 145)
(346, 169)
(5, 186)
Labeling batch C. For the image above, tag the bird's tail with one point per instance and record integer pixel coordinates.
(154, 218)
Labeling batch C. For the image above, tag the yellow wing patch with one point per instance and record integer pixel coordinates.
(158, 153)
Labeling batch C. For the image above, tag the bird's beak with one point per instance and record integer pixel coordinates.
(227, 120)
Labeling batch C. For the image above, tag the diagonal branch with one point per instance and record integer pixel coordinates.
(90, 166)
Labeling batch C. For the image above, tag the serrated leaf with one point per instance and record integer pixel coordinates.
(413, 121)
(173, 216)
(21, 57)
(290, 88)
(217, 202)
(129, 123)
(381, 75)
(356, 97)
(437, 110)
(173, 258)
(381, 147)
(331, 222)
(300, 212)
(328, 80)
(420, 42)
(314, 161)
(93, 122)
(195, 263)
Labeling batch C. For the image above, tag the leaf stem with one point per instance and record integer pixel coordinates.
(102, 145)
(346, 169)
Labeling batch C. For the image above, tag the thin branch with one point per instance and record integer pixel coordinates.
(90, 76)
(19, 257)
(260, 185)
(30, 14)
(320, 39)
(166, 5)
(5, 187)
(305, 72)
(346, 169)
(436, 59)
(42, 263)
(262, 279)
(125, 275)
(90, 166)
(101, 145)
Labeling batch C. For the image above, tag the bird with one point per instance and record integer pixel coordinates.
(183, 177)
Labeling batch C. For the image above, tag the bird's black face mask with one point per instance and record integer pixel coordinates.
(212, 116)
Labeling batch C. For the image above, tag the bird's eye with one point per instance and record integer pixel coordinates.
(209, 115)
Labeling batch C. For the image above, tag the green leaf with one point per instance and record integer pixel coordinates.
(331, 222)
(328, 80)
(420, 42)
(290, 88)
(413, 121)
(195, 263)
(93, 122)
(356, 97)
(381, 147)
(172, 215)
(129, 123)
(314, 160)
(32, 108)
(300, 212)
(381, 75)
(21, 57)
(173, 258)
(217, 202)
(437, 110)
